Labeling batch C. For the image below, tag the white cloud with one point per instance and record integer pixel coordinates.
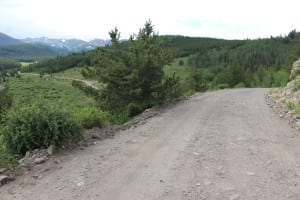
(93, 18)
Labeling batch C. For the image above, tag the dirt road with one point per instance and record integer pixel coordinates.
(90, 83)
(219, 145)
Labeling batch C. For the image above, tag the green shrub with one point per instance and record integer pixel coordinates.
(294, 107)
(188, 93)
(240, 85)
(120, 117)
(197, 81)
(296, 86)
(88, 90)
(91, 117)
(280, 78)
(171, 89)
(291, 105)
(134, 109)
(39, 126)
(180, 62)
(5, 100)
(6, 159)
(223, 86)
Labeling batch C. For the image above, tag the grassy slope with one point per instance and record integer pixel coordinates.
(71, 73)
(30, 88)
(26, 51)
(181, 71)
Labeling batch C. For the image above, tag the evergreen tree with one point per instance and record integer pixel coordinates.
(133, 72)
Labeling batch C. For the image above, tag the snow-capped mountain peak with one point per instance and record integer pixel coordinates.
(68, 45)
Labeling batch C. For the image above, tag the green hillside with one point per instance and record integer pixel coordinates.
(7, 40)
(14, 49)
(229, 63)
(26, 52)
(184, 46)
(31, 88)
(7, 64)
(61, 63)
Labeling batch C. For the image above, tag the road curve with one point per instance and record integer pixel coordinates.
(218, 145)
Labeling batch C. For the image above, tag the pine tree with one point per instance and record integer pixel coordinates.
(132, 71)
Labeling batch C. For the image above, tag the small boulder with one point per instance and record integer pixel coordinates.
(250, 173)
(36, 176)
(51, 150)
(57, 161)
(95, 136)
(234, 197)
(22, 161)
(36, 151)
(220, 171)
(28, 154)
(40, 160)
(4, 179)
(297, 116)
(281, 115)
(2, 170)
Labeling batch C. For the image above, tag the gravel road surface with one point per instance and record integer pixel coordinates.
(217, 145)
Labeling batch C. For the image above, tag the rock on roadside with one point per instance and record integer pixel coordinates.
(51, 150)
(4, 179)
(2, 170)
(40, 160)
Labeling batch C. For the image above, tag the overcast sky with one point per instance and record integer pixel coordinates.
(88, 19)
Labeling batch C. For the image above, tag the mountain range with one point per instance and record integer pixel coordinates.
(33, 48)
(7, 40)
(68, 45)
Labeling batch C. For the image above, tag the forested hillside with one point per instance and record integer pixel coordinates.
(16, 51)
(61, 63)
(255, 63)
(7, 40)
(216, 63)
(185, 46)
(6, 64)
(26, 52)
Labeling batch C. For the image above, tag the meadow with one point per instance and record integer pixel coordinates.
(71, 73)
(180, 70)
(30, 88)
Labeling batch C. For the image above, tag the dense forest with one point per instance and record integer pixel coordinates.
(185, 46)
(255, 63)
(61, 63)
